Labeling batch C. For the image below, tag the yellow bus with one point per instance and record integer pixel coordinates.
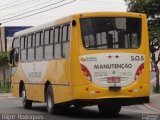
(99, 58)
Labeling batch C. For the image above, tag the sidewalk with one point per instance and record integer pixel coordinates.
(4, 95)
(154, 102)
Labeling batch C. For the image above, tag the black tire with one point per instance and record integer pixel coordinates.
(27, 104)
(51, 107)
(109, 109)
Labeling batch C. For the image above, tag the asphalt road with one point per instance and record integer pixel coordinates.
(11, 109)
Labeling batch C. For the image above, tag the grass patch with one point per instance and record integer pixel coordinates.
(5, 88)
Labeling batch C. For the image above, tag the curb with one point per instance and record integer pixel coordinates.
(2, 95)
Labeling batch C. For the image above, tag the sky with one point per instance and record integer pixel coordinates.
(36, 12)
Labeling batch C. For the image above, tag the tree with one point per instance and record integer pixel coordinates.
(149, 7)
(3, 66)
(152, 9)
(3, 59)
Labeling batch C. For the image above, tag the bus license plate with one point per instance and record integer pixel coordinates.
(113, 80)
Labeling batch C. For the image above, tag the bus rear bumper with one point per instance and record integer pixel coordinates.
(120, 101)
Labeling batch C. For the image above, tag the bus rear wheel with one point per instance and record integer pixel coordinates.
(27, 104)
(109, 109)
(51, 107)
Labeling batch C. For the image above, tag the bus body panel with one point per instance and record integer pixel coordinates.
(58, 73)
(15, 89)
(62, 93)
(92, 91)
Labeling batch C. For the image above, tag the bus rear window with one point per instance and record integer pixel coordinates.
(111, 32)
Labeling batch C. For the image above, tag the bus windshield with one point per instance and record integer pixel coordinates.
(111, 32)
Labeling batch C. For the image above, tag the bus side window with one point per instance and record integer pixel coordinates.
(29, 42)
(48, 35)
(39, 47)
(23, 49)
(25, 42)
(22, 42)
(30, 48)
(57, 43)
(41, 38)
(65, 40)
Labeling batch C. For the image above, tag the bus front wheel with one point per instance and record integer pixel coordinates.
(109, 109)
(27, 104)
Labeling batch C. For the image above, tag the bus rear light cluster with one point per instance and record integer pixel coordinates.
(86, 72)
(139, 71)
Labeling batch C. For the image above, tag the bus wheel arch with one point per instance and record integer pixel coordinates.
(27, 104)
(47, 84)
(21, 87)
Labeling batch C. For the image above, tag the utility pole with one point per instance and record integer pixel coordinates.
(157, 75)
(1, 83)
(1, 39)
(3, 67)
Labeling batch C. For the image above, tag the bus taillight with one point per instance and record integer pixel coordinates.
(139, 71)
(86, 72)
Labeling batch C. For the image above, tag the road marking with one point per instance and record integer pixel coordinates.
(130, 110)
(146, 107)
(139, 111)
(152, 107)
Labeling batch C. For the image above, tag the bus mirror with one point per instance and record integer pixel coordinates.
(14, 57)
(10, 57)
(73, 22)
